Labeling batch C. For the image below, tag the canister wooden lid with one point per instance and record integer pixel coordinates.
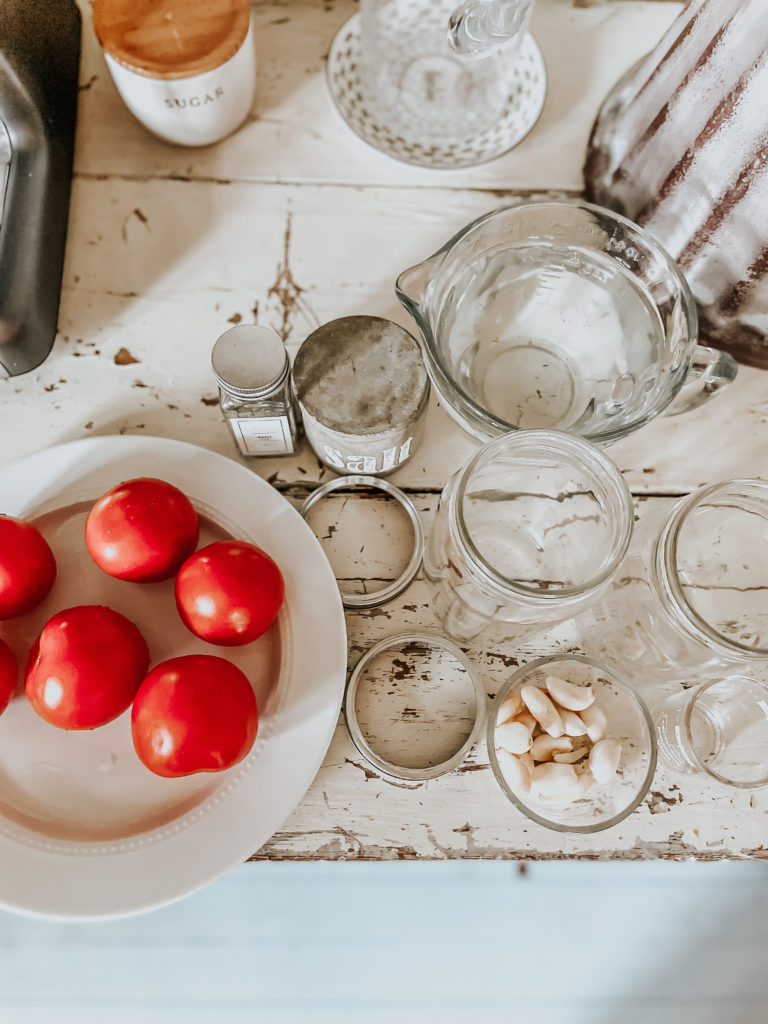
(171, 38)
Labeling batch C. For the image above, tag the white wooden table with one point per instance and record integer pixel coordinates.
(292, 222)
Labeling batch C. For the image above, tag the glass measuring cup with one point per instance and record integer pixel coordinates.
(559, 316)
(528, 533)
(437, 73)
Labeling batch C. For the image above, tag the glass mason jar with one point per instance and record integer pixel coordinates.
(692, 596)
(528, 533)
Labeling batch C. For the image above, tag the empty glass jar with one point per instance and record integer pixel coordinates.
(528, 533)
(720, 728)
(692, 597)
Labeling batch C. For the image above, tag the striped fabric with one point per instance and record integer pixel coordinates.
(681, 146)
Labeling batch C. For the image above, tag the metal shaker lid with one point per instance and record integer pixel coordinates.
(249, 360)
(361, 375)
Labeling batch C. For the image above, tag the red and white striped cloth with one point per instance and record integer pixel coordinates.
(681, 147)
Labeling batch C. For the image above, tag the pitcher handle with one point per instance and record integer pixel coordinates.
(480, 26)
(711, 371)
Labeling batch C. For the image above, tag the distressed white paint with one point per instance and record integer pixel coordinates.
(292, 222)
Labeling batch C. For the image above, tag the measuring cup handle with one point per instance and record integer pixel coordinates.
(710, 371)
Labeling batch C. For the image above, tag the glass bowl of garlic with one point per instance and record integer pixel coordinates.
(571, 744)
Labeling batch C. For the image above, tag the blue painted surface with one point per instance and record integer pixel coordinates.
(615, 943)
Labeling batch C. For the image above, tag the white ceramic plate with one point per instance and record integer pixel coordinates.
(86, 830)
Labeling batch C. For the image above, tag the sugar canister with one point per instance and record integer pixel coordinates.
(185, 68)
(253, 372)
(362, 390)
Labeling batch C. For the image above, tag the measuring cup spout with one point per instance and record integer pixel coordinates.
(413, 287)
(479, 26)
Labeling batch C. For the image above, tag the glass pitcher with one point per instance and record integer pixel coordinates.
(559, 315)
(437, 73)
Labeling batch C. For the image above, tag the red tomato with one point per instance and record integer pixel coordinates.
(194, 714)
(229, 593)
(27, 567)
(141, 530)
(85, 667)
(9, 675)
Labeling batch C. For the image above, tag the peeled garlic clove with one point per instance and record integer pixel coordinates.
(573, 724)
(514, 737)
(527, 719)
(544, 747)
(585, 784)
(556, 780)
(596, 722)
(570, 756)
(543, 710)
(511, 706)
(515, 771)
(604, 759)
(569, 695)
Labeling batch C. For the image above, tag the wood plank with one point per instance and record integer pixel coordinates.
(353, 812)
(160, 268)
(295, 133)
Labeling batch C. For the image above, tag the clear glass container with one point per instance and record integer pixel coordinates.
(719, 728)
(691, 599)
(253, 372)
(559, 316)
(434, 71)
(528, 533)
(627, 720)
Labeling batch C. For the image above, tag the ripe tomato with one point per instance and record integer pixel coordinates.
(85, 667)
(229, 592)
(141, 530)
(193, 714)
(27, 567)
(9, 675)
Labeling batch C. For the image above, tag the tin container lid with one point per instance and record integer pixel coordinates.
(249, 360)
(361, 375)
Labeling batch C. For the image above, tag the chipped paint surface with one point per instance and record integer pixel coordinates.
(292, 222)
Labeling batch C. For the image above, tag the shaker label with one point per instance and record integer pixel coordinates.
(269, 435)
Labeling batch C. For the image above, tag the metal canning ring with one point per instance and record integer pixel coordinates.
(395, 588)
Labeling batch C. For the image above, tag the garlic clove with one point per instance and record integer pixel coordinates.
(515, 771)
(544, 746)
(543, 710)
(596, 723)
(514, 737)
(573, 724)
(511, 706)
(555, 780)
(571, 756)
(569, 695)
(604, 760)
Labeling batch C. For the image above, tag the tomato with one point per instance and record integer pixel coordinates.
(85, 667)
(194, 714)
(27, 567)
(229, 592)
(141, 530)
(9, 675)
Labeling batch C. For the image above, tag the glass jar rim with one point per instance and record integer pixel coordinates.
(668, 550)
(687, 726)
(564, 443)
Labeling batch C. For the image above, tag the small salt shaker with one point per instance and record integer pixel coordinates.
(362, 390)
(253, 372)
